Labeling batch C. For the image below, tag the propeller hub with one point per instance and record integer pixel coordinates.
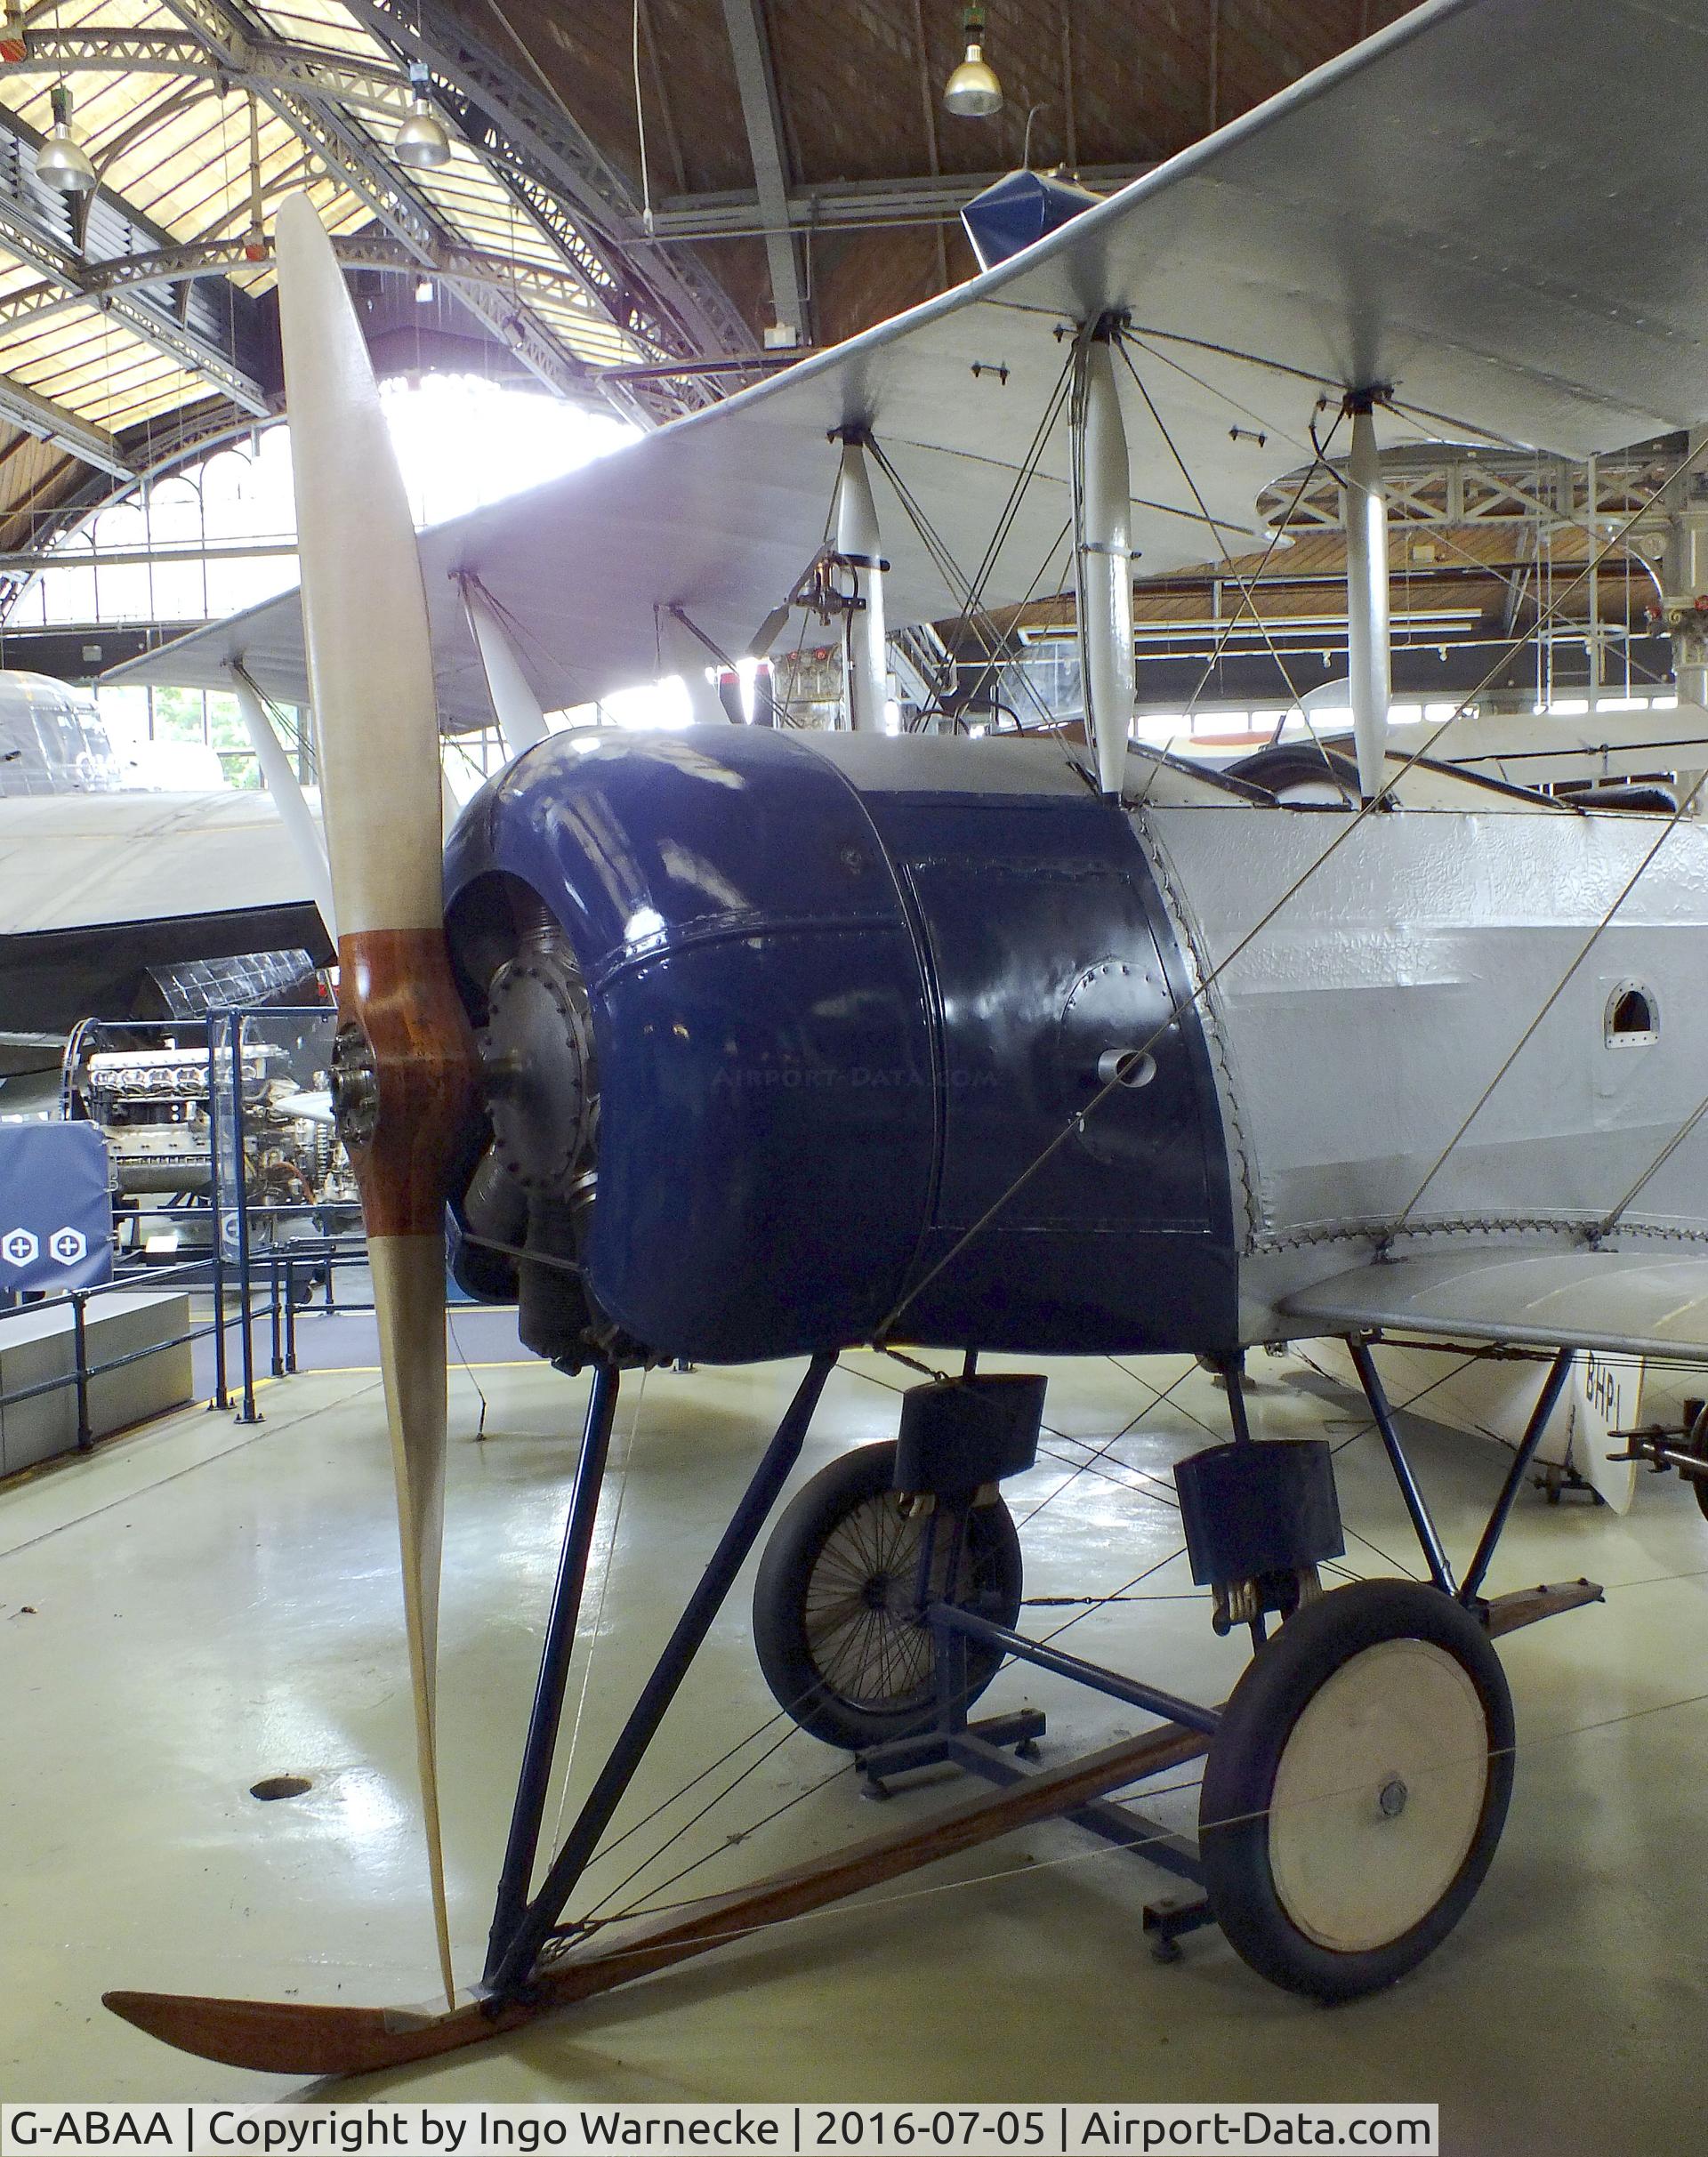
(541, 1072)
(355, 1087)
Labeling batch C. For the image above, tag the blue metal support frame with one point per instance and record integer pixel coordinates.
(541, 1745)
(982, 1749)
(513, 1969)
(222, 1391)
(1559, 1371)
(1429, 1537)
(247, 1413)
(1120, 1824)
(80, 1352)
(945, 1617)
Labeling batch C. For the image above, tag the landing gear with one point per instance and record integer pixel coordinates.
(838, 1608)
(1357, 1788)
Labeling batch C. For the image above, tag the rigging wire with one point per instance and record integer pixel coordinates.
(1258, 419)
(982, 626)
(1067, 1438)
(1163, 1835)
(1204, 507)
(647, 1906)
(598, 1612)
(1028, 466)
(1077, 1122)
(1606, 1226)
(1087, 1604)
(1558, 991)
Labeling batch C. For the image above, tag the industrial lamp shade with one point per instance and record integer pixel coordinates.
(62, 163)
(422, 141)
(972, 93)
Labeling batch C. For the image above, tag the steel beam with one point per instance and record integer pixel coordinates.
(267, 63)
(1457, 487)
(763, 116)
(873, 204)
(52, 423)
(669, 299)
(356, 162)
(30, 561)
(312, 90)
(450, 264)
(52, 260)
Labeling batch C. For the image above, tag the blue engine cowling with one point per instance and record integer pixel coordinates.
(842, 992)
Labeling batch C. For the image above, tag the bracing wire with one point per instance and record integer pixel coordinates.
(990, 638)
(649, 1905)
(1204, 509)
(1353, 822)
(1554, 995)
(1088, 1605)
(1606, 1226)
(1101, 1851)
(599, 1613)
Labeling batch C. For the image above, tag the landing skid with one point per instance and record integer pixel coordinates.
(537, 1963)
(279, 2037)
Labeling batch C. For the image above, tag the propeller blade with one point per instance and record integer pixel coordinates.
(404, 1063)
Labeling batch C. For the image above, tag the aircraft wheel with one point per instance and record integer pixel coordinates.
(1697, 1444)
(833, 1606)
(1357, 1788)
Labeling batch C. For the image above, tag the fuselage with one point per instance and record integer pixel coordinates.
(924, 1039)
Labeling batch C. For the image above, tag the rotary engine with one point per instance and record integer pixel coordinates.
(529, 1201)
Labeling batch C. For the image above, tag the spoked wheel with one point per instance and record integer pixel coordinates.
(1357, 1788)
(834, 1603)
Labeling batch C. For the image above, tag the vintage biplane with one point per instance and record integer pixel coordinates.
(750, 1042)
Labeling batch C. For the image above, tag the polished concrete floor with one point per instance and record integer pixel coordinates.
(203, 1605)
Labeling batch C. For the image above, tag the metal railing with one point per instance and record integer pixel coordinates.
(251, 1279)
(229, 1277)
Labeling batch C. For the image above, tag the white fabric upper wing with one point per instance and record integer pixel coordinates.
(1496, 207)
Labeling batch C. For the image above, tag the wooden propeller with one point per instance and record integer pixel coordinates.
(405, 1064)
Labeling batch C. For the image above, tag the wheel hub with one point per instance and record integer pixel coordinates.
(1353, 1875)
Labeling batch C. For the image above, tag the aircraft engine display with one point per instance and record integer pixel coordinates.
(152, 1103)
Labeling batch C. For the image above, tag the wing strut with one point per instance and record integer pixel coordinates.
(1365, 506)
(857, 543)
(1103, 554)
(280, 781)
(517, 709)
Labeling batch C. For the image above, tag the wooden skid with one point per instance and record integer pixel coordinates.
(1508, 1612)
(288, 2038)
(283, 2037)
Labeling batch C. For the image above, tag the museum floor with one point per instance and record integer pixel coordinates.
(202, 1606)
